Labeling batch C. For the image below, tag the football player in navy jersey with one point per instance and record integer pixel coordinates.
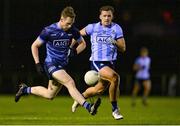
(106, 40)
(142, 77)
(57, 38)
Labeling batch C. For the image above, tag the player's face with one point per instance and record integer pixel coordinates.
(106, 17)
(66, 23)
(144, 53)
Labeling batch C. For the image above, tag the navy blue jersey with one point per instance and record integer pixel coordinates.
(57, 42)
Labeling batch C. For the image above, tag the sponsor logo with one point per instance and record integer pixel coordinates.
(61, 42)
(103, 39)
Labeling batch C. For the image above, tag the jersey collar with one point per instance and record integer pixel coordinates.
(108, 26)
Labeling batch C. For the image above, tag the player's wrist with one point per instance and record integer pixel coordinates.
(39, 68)
(113, 41)
(72, 52)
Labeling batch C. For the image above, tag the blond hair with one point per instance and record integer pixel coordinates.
(68, 12)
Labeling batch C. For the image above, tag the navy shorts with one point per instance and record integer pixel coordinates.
(97, 65)
(50, 68)
(140, 81)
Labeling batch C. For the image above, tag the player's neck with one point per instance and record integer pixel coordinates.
(104, 25)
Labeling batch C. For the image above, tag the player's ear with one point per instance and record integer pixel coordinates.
(112, 17)
(100, 17)
(62, 19)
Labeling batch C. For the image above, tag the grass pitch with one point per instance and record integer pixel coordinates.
(33, 110)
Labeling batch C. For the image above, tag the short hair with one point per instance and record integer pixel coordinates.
(68, 12)
(106, 8)
(144, 49)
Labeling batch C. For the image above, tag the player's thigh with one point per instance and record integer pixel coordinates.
(61, 76)
(107, 73)
(147, 84)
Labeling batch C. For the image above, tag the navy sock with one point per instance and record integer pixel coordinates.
(114, 105)
(87, 105)
(27, 90)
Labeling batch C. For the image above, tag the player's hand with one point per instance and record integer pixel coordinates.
(72, 52)
(39, 68)
(112, 41)
(143, 67)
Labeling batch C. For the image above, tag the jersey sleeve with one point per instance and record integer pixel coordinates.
(119, 32)
(44, 35)
(76, 35)
(89, 29)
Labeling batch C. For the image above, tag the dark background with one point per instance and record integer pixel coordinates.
(151, 23)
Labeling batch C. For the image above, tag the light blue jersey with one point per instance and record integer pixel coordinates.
(144, 64)
(101, 47)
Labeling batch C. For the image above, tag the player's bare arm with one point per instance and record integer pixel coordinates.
(121, 45)
(81, 46)
(34, 48)
(136, 67)
(83, 32)
(73, 42)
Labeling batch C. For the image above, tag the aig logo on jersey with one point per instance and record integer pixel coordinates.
(61, 42)
(103, 39)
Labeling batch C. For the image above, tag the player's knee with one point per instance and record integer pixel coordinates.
(147, 88)
(70, 83)
(115, 78)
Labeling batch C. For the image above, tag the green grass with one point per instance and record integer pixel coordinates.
(34, 110)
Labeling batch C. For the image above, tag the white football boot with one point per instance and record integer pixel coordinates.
(74, 106)
(116, 114)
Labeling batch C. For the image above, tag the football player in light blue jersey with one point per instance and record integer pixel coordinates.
(57, 38)
(142, 77)
(106, 39)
